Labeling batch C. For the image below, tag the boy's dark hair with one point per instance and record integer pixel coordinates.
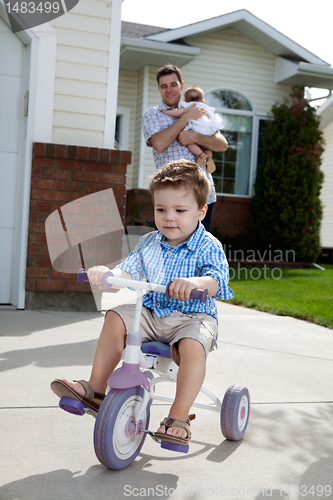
(182, 173)
(168, 69)
(194, 94)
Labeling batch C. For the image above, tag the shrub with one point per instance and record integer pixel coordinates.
(286, 205)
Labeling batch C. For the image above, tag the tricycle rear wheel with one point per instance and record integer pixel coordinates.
(235, 412)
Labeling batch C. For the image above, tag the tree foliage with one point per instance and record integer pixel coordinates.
(287, 208)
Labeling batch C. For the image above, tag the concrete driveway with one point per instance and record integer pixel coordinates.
(287, 452)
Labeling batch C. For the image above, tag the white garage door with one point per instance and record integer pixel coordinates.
(11, 67)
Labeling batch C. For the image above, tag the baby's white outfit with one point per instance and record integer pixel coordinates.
(204, 125)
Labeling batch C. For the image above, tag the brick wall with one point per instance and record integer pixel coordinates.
(61, 174)
(139, 205)
(232, 214)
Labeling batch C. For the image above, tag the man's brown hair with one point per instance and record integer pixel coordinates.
(168, 69)
(182, 173)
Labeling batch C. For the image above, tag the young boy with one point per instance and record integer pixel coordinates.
(208, 124)
(183, 252)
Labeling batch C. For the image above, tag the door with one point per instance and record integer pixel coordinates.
(12, 53)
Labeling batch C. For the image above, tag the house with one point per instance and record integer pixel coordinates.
(254, 66)
(69, 87)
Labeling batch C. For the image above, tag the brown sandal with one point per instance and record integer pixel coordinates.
(174, 422)
(210, 166)
(61, 389)
(200, 159)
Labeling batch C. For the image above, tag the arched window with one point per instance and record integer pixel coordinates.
(233, 167)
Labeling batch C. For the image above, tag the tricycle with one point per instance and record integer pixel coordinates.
(122, 421)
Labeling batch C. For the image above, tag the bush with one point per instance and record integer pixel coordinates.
(286, 205)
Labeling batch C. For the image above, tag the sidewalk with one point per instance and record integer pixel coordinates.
(287, 365)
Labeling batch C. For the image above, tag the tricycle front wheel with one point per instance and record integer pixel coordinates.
(115, 441)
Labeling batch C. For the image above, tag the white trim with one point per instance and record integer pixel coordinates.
(142, 140)
(325, 111)
(229, 111)
(26, 163)
(254, 153)
(325, 105)
(230, 195)
(137, 53)
(241, 20)
(199, 28)
(150, 46)
(257, 119)
(235, 111)
(45, 82)
(290, 72)
(113, 72)
(125, 114)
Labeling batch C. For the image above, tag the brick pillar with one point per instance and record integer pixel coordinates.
(61, 174)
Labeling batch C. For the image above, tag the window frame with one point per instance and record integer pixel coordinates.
(254, 139)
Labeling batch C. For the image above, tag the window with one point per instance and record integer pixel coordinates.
(117, 133)
(233, 167)
(122, 128)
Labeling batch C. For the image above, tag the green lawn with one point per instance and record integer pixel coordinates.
(302, 293)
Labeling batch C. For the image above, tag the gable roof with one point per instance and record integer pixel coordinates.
(155, 46)
(248, 25)
(137, 51)
(133, 30)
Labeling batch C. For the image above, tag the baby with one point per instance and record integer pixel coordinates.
(206, 125)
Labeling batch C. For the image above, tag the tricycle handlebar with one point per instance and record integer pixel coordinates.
(109, 280)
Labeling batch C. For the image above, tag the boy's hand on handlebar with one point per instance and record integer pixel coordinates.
(181, 288)
(95, 275)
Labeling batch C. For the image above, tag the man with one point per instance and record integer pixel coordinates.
(169, 136)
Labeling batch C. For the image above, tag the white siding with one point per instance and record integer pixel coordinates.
(228, 59)
(81, 73)
(154, 98)
(138, 131)
(326, 233)
(127, 98)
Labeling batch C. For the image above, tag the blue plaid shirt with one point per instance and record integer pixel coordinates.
(155, 121)
(156, 261)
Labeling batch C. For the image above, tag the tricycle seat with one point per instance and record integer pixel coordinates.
(156, 348)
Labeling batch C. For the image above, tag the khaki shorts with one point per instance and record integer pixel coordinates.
(171, 328)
